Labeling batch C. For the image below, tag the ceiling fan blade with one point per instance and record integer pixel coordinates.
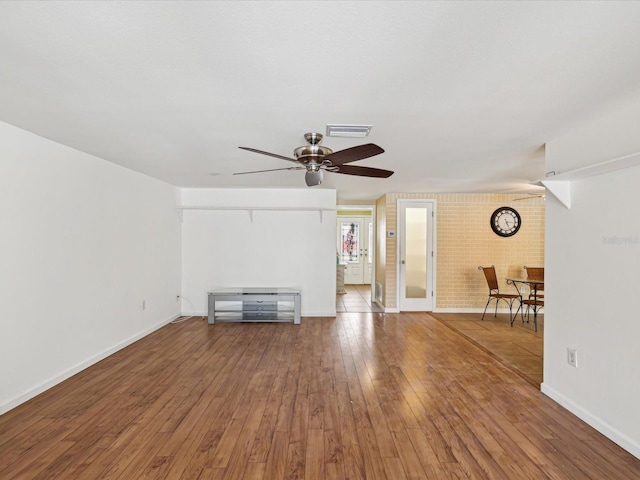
(281, 157)
(352, 154)
(363, 171)
(270, 170)
(530, 197)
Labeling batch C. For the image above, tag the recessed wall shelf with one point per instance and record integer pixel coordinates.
(250, 210)
(560, 185)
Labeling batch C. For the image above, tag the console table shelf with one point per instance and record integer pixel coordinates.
(254, 305)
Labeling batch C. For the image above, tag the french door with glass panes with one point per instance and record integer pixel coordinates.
(355, 249)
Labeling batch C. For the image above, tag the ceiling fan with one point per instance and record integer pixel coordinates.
(315, 158)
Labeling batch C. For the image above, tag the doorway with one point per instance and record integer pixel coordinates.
(416, 254)
(355, 247)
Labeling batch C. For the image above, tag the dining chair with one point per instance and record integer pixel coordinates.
(535, 302)
(531, 303)
(494, 292)
(536, 273)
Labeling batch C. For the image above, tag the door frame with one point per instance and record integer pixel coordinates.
(432, 237)
(372, 209)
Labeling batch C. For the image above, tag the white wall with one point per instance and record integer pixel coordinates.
(592, 268)
(83, 243)
(225, 248)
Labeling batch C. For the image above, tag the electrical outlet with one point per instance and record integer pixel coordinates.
(572, 357)
(521, 289)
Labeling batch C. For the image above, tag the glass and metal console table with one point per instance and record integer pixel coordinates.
(255, 305)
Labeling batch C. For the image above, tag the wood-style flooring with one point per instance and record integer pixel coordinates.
(519, 347)
(357, 298)
(360, 396)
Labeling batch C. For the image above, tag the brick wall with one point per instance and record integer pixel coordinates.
(465, 241)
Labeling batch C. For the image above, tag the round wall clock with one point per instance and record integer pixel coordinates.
(505, 221)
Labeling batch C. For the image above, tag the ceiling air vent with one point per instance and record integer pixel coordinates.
(355, 131)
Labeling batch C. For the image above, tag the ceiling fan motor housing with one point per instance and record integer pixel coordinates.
(311, 152)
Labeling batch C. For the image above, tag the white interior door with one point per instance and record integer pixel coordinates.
(369, 251)
(416, 255)
(354, 248)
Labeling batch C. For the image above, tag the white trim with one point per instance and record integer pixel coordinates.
(46, 385)
(274, 209)
(250, 210)
(619, 163)
(312, 314)
(434, 258)
(560, 185)
(392, 310)
(372, 208)
(615, 435)
(560, 189)
(431, 241)
(474, 310)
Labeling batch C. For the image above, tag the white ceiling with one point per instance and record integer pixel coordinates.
(462, 95)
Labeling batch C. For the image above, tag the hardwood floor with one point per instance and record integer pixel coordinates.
(360, 396)
(520, 347)
(357, 298)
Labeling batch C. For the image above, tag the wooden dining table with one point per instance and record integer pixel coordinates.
(535, 285)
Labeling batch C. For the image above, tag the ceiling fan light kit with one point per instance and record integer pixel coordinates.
(313, 177)
(352, 131)
(315, 158)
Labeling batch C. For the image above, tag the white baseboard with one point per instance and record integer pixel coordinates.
(613, 434)
(46, 385)
(319, 314)
(386, 309)
(304, 314)
(472, 310)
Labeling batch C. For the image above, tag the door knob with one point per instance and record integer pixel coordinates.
(402, 262)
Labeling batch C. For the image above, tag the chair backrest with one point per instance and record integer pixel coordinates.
(490, 275)
(535, 273)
